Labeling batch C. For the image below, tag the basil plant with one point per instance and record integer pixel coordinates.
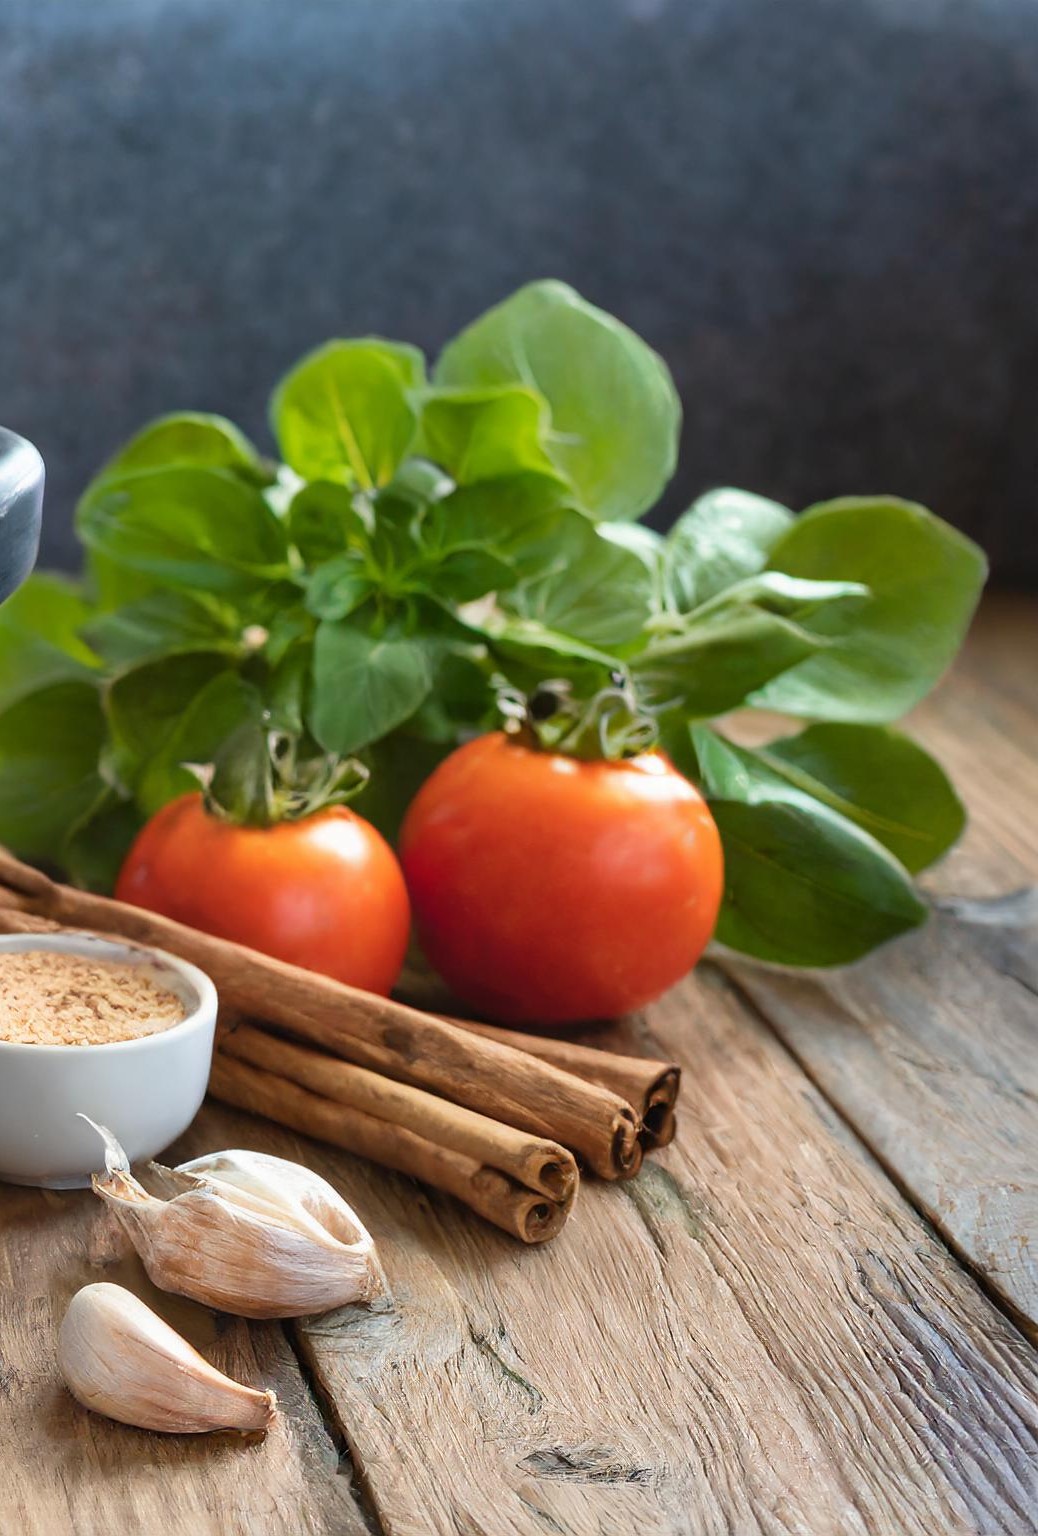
(434, 549)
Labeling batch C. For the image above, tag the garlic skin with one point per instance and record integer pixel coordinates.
(119, 1358)
(244, 1232)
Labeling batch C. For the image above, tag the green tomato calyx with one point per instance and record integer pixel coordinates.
(258, 778)
(611, 724)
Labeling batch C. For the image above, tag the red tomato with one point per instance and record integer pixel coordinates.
(552, 890)
(324, 892)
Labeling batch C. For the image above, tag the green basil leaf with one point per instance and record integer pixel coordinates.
(39, 636)
(444, 625)
(887, 652)
(711, 668)
(644, 542)
(51, 607)
(468, 572)
(420, 482)
(346, 412)
(96, 847)
(775, 592)
(877, 778)
(724, 536)
(222, 707)
(285, 690)
(323, 521)
(364, 686)
(803, 886)
(484, 434)
(50, 745)
(284, 630)
(650, 548)
(146, 704)
(111, 585)
(515, 517)
(338, 586)
(817, 852)
(395, 545)
(615, 415)
(271, 607)
(463, 700)
(587, 586)
(190, 437)
(713, 762)
(188, 527)
(531, 653)
(870, 774)
(160, 623)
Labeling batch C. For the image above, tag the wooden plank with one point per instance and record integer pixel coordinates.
(712, 1349)
(64, 1470)
(756, 1335)
(982, 725)
(999, 653)
(930, 1050)
(930, 1047)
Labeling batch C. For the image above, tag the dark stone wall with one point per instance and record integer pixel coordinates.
(823, 212)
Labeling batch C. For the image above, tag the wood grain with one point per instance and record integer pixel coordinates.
(930, 1046)
(63, 1469)
(756, 1335)
(930, 1050)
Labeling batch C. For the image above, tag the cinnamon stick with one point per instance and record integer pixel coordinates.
(541, 1165)
(530, 1216)
(13, 920)
(650, 1086)
(481, 1073)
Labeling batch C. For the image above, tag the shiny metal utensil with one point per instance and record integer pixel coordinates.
(21, 506)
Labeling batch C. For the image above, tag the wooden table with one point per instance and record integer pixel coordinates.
(814, 1313)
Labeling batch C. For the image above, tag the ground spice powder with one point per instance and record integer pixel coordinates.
(53, 997)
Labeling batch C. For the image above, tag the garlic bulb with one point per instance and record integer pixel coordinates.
(118, 1358)
(244, 1232)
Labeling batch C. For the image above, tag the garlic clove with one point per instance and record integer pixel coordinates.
(245, 1232)
(119, 1358)
(302, 1197)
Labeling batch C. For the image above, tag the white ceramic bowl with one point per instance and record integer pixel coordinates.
(147, 1091)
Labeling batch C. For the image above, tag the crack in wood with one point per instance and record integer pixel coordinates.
(586, 1464)
(1012, 1474)
(543, 1516)
(1021, 981)
(483, 1344)
(346, 1467)
(798, 1048)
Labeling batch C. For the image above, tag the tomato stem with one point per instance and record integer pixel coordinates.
(258, 778)
(611, 724)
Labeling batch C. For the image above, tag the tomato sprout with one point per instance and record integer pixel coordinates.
(611, 724)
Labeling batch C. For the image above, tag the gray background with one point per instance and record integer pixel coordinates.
(823, 212)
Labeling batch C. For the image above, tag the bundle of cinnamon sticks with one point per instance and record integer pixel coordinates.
(499, 1119)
